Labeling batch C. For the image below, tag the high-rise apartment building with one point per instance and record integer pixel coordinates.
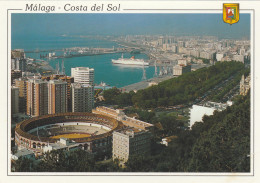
(83, 75)
(37, 97)
(18, 61)
(82, 97)
(57, 96)
(14, 100)
(15, 74)
(62, 77)
(21, 84)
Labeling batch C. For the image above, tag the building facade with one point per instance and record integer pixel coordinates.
(15, 74)
(128, 142)
(18, 61)
(57, 97)
(37, 97)
(83, 75)
(69, 81)
(21, 84)
(14, 100)
(245, 84)
(82, 97)
(239, 58)
(181, 69)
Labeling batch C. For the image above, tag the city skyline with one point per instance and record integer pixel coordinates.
(42, 26)
(151, 120)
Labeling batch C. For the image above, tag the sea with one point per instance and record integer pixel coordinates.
(104, 69)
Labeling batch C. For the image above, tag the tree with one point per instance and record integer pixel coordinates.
(22, 165)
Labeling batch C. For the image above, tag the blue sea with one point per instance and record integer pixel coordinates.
(105, 71)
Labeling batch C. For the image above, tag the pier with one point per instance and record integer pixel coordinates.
(145, 84)
(80, 52)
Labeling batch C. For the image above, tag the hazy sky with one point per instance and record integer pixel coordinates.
(32, 26)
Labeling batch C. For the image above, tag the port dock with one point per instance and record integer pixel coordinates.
(145, 84)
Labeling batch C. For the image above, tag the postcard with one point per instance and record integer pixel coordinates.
(104, 90)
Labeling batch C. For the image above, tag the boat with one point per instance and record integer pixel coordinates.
(130, 61)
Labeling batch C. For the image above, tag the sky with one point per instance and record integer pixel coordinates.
(32, 26)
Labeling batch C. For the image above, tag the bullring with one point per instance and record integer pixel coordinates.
(92, 132)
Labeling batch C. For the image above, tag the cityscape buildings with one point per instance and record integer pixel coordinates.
(64, 105)
(65, 78)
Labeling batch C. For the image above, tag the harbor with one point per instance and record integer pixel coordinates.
(119, 63)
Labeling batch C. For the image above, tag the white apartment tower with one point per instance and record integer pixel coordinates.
(83, 75)
(57, 96)
(82, 97)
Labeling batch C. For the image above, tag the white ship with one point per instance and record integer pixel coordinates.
(130, 61)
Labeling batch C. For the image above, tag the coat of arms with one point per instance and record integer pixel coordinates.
(230, 13)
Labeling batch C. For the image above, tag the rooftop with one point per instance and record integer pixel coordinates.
(83, 68)
(57, 82)
(23, 152)
(39, 81)
(130, 131)
(79, 85)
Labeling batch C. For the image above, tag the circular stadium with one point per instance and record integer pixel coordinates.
(89, 130)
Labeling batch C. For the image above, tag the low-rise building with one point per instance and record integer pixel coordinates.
(152, 83)
(130, 141)
(120, 115)
(219, 56)
(239, 58)
(62, 144)
(181, 69)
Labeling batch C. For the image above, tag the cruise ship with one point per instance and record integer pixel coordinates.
(130, 61)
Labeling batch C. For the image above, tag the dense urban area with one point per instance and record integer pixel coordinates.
(192, 116)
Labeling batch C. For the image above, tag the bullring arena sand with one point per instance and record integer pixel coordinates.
(70, 136)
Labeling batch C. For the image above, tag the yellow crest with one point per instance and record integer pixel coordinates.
(231, 13)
